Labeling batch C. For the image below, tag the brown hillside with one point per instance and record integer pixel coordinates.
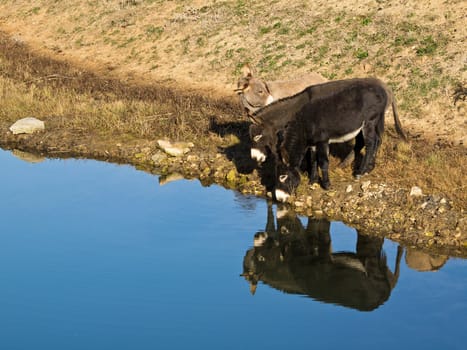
(419, 48)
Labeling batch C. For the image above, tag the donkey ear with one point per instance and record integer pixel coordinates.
(267, 89)
(246, 71)
(284, 155)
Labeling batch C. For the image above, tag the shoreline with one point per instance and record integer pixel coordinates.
(428, 222)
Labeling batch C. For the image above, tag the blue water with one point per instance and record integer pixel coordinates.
(100, 256)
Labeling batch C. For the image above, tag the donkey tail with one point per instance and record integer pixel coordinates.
(397, 122)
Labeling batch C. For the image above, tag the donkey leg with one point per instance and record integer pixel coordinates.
(359, 144)
(313, 165)
(372, 160)
(322, 154)
(378, 130)
(371, 142)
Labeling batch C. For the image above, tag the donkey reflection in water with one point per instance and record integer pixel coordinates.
(298, 260)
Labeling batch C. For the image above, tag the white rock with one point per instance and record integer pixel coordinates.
(192, 158)
(416, 191)
(27, 126)
(175, 149)
(349, 189)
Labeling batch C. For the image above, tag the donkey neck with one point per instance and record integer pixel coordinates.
(281, 111)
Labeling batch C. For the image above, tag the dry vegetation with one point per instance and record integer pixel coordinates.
(142, 69)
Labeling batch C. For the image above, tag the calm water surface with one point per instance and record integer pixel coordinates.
(100, 256)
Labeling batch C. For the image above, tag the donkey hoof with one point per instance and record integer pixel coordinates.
(314, 180)
(325, 185)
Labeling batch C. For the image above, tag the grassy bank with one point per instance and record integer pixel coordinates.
(417, 48)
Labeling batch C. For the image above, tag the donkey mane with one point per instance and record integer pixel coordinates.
(277, 104)
(280, 109)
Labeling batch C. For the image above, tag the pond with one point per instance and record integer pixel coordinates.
(102, 256)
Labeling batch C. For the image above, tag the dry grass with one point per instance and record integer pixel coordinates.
(436, 170)
(418, 48)
(83, 112)
(83, 102)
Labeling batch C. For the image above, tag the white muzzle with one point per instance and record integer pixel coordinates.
(282, 196)
(257, 155)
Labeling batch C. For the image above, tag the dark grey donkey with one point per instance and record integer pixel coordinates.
(357, 109)
(272, 119)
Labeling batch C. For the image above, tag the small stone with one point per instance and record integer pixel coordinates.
(349, 189)
(192, 158)
(27, 126)
(416, 191)
(315, 186)
(365, 185)
(299, 204)
(158, 158)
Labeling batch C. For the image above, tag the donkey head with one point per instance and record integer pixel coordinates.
(264, 139)
(254, 93)
(287, 181)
